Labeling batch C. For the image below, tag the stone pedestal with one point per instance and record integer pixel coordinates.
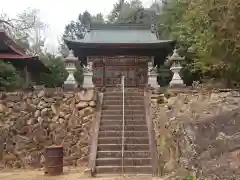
(152, 80)
(152, 75)
(88, 76)
(176, 79)
(87, 82)
(70, 82)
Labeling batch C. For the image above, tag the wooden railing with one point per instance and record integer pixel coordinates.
(94, 137)
(151, 133)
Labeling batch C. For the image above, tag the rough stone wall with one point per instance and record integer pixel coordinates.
(198, 133)
(31, 121)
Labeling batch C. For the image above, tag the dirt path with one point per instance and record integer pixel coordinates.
(69, 174)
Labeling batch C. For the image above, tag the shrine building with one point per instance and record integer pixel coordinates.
(29, 67)
(116, 50)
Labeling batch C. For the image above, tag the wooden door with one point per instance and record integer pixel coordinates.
(108, 72)
(135, 72)
(112, 76)
(131, 80)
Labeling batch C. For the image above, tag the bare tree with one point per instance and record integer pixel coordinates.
(27, 29)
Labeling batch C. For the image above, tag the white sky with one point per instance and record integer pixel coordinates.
(58, 13)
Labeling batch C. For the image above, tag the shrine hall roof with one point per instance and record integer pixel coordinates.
(119, 34)
(10, 51)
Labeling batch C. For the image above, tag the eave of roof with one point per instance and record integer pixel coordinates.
(149, 45)
(34, 63)
(16, 56)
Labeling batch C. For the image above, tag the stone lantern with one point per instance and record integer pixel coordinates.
(152, 74)
(176, 68)
(70, 65)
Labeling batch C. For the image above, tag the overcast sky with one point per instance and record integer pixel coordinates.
(57, 13)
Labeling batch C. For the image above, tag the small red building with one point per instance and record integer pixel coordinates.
(28, 66)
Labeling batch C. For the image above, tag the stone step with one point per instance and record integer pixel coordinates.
(126, 107)
(120, 98)
(126, 94)
(126, 127)
(127, 154)
(126, 134)
(126, 102)
(126, 169)
(120, 122)
(127, 147)
(127, 140)
(126, 162)
(120, 112)
(127, 89)
(139, 117)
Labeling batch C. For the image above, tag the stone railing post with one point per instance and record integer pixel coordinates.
(70, 65)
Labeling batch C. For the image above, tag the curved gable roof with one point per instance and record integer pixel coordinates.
(15, 48)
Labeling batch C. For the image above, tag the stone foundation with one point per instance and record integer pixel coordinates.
(31, 121)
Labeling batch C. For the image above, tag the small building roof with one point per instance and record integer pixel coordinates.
(7, 44)
(10, 51)
(120, 34)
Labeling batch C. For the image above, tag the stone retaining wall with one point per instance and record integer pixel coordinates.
(197, 133)
(31, 121)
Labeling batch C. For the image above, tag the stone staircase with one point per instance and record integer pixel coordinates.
(137, 154)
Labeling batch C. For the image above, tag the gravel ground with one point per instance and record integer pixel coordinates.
(69, 174)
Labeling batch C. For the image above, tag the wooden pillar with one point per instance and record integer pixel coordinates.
(26, 76)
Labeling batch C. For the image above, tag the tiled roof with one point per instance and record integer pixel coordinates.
(120, 33)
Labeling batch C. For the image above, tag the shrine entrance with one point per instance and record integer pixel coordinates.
(108, 71)
(113, 75)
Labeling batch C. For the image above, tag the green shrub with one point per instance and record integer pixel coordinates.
(9, 78)
(57, 74)
(188, 76)
(192, 68)
(79, 73)
(164, 75)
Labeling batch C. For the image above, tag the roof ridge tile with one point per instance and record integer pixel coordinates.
(98, 26)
